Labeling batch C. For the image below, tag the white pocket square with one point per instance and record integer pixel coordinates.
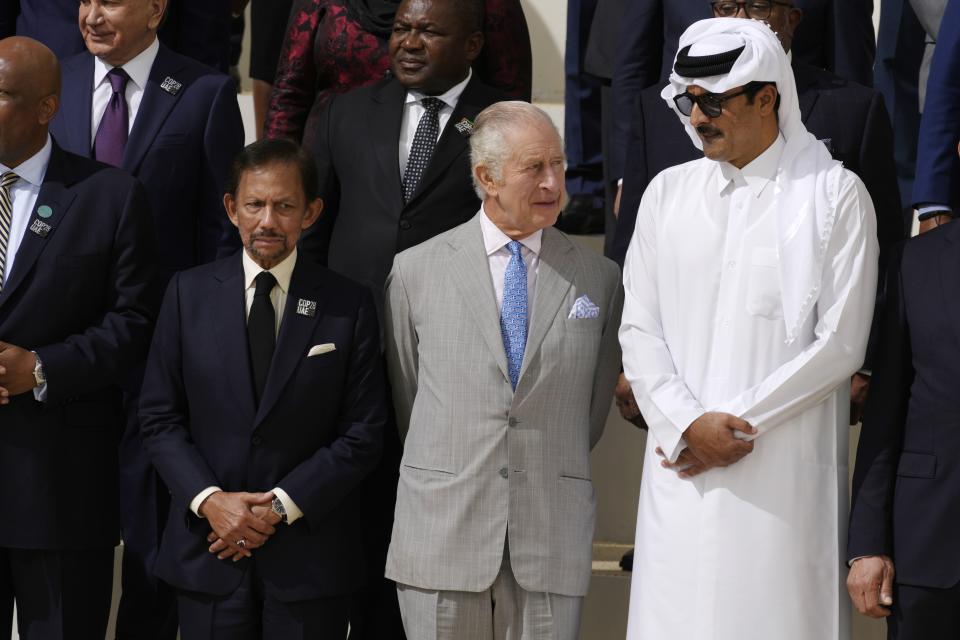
(320, 349)
(583, 308)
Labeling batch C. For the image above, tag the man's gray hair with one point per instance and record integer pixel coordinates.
(488, 142)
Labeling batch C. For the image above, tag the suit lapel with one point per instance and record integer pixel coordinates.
(471, 273)
(295, 333)
(78, 90)
(806, 98)
(54, 194)
(231, 330)
(155, 106)
(452, 143)
(384, 130)
(554, 278)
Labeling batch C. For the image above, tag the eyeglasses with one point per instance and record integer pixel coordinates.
(711, 104)
(756, 9)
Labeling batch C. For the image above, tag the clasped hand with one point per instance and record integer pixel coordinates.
(711, 442)
(16, 371)
(241, 522)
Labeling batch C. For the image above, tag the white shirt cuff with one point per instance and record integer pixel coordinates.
(293, 511)
(40, 393)
(203, 495)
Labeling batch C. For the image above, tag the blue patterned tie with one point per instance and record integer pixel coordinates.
(513, 312)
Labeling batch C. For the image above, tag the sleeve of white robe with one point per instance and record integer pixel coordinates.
(667, 405)
(844, 313)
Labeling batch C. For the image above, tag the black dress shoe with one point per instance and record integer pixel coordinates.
(582, 216)
(626, 562)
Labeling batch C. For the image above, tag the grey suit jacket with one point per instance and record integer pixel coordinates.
(481, 461)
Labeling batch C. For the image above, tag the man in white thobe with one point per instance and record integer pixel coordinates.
(750, 282)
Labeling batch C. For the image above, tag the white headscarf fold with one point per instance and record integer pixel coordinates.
(808, 178)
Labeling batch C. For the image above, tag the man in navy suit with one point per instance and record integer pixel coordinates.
(174, 124)
(904, 524)
(78, 297)
(263, 408)
(936, 190)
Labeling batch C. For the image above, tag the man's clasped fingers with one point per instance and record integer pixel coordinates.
(870, 584)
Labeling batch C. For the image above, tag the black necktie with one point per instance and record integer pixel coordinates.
(261, 328)
(424, 142)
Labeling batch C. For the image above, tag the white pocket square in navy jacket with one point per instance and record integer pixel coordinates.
(583, 308)
(320, 349)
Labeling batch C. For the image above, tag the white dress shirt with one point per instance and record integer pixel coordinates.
(495, 242)
(278, 296)
(138, 68)
(23, 195)
(413, 110)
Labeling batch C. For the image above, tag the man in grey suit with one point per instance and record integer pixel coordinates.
(502, 349)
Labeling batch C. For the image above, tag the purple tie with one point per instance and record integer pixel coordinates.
(112, 133)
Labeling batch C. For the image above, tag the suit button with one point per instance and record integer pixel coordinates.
(513, 422)
(256, 441)
(504, 473)
(404, 224)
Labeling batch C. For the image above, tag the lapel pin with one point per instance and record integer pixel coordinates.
(171, 86)
(464, 127)
(40, 228)
(44, 211)
(306, 308)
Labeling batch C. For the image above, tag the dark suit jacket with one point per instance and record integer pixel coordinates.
(316, 433)
(849, 118)
(84, 298)
(180, 147)
(365, 221)
(938, 165)
(906, 485)
(835, 34)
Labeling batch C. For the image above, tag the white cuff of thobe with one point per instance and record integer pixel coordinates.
(203, 495)
(40, 393)
(293, 511)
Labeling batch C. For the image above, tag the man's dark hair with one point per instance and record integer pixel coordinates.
(751, 89)
(266, 152)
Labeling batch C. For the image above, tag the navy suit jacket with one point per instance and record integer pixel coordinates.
(316, 433)
(835, 34)
(180, 147)
(849, 118)
(906, 484)
(84, 297)
(365, 220)
(938, 163)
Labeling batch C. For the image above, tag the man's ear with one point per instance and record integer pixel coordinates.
(314, 209)
(231, 206)
(768, 100)
(485, 179)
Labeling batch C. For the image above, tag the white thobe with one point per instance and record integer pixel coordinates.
(753, 550)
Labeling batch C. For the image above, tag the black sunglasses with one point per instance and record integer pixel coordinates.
(756, 9)
(711, 104)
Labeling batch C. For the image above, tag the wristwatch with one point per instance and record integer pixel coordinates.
(277, 506)
(38, 376)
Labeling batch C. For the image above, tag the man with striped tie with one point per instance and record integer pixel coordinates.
(502, 349)
(78, 297)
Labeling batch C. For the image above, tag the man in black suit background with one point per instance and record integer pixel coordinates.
(77, 305)
(394, 171)
(175, 124)
(263, 407)
(904, 524)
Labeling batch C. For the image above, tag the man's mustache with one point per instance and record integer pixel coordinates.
(707, 130)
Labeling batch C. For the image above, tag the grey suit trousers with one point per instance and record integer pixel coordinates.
(505, 611)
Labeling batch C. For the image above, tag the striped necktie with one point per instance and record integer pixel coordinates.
(7, 180)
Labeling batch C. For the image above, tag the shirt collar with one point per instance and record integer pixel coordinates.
(494, 239)
(450, 98)
(34, 168)
(758, 173)
(138, 68)
(283, 272)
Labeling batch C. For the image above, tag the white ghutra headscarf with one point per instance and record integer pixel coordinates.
(808, 178)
